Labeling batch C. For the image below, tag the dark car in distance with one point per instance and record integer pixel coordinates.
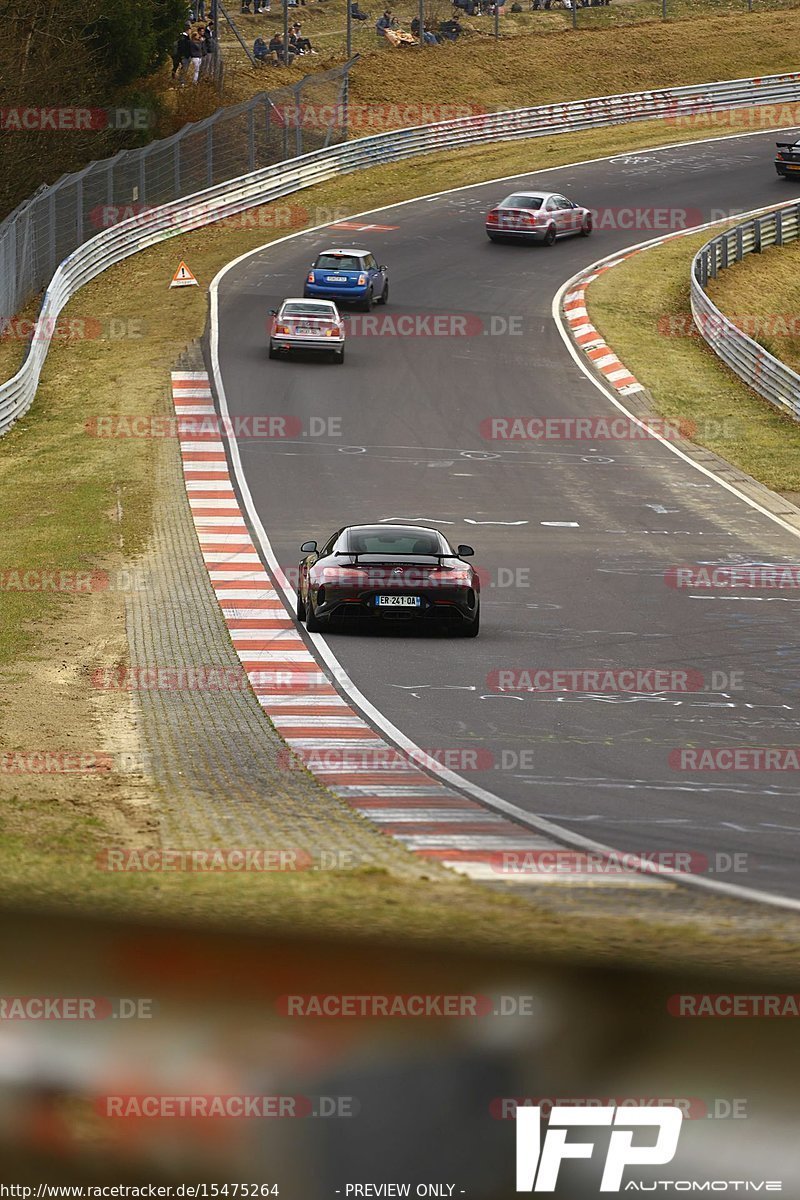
(391, 573)
(787, 160)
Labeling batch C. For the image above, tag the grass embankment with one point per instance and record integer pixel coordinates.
(642, 309)
(760, 294)
(75, 502)
(715, 41)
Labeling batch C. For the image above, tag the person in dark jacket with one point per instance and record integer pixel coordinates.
(181, 49)
(356, 13)
(298, 43)
(279, 52)
(196, 52)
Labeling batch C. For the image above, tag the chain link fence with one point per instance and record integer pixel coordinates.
(56, 220)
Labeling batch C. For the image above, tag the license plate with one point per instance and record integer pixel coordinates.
(303, 329)
(398, 601)
(336, 279)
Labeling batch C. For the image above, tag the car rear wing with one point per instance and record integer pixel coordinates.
(358, 554)
(788, 146)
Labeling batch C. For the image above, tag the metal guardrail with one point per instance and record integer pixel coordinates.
(759, 369)
(249, 136)
(234, 195)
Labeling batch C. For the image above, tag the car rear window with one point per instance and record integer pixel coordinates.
(522, 201)
(394, 541)
(309, 310)
(338, 262)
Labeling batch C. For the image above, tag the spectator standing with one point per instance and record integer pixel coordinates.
(181, 55)
(196, 52)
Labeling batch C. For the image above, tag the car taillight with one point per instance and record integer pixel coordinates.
(283, 329)
(333, 331)
(527, 219)
(493, 218)
(362, 279)
(310, 276)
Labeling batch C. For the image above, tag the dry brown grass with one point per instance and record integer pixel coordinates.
(520, 70)
(761, 295)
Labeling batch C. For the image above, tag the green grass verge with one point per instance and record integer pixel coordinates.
(642, 309)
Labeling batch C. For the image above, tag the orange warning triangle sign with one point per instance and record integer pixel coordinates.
(183, 277)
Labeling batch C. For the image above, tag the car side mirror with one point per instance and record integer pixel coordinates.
(465, 551)
(273, 312)
(308, 548)
(383, 267)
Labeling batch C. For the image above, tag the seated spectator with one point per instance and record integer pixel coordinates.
(451, 30)
(278, 52)
(298, 43)
(428, 37)
(356, 13)
(385, 23)
(260, 50)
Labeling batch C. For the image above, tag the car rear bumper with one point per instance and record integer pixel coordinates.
(288, 343)
(318, 291)
(448, 605)
(787, 168)
(517, 235)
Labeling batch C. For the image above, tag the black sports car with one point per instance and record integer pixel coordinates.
(787, 160)
(389, 572)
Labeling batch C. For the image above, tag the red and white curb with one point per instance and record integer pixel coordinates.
(588, 339)
(298, 694)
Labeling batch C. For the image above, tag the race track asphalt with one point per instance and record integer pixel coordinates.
(589, 593)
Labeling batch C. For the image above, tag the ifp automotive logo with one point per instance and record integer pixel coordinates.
(538, 1163)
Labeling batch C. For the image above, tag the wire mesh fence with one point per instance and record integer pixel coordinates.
(56, 220)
